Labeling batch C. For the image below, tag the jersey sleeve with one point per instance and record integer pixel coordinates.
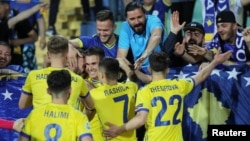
(83, 127)
(154, 22)
(84, 89)
(84, 42)
(186, 85)
(27, 85)
(142, 101)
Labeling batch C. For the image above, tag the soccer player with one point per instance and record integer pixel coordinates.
(34, 89)
(93, 56)
(57, 120)
(159, 104)
(120, 97)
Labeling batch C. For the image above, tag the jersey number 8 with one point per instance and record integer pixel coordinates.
(58, 132)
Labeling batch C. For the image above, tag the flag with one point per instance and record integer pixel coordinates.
(223, 98)
(11, 80)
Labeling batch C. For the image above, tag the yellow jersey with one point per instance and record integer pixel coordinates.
(120, 101)
(163, 100)
(57, 122)
(36, 86)
(95, 124)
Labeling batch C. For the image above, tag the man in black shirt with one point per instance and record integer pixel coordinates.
(17, 35)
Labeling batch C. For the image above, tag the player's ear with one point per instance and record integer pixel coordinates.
(48, 91)
(69, 92)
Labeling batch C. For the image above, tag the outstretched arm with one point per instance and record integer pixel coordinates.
(145, 78)
(154, 40)
(42, 29)
(134, 123)
(25, 101)
(9, 124)
(25, 14)
(73, 53)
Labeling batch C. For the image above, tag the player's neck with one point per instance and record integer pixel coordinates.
(110, 82)
(59, 101)
(58, 63)
(158, 76)
(112, 40)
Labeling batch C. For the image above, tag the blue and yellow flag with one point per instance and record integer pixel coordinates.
(11, 80)
(223, 99)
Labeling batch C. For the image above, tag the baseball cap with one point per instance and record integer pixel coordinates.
(194, 26)
(225, 16)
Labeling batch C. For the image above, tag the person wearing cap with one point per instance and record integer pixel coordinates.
(179, 53)
(229, 36)
(210, 8)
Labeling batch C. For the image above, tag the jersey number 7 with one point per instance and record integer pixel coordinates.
(125, 107)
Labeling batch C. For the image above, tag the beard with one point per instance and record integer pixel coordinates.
(139, 31)
(107, 40)
(192, 42)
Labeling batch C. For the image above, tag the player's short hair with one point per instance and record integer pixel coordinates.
(111, 68)
(132, 6)
(95, 51)
(59, 81)
(158, 61)
(104, 15)
(57, 44)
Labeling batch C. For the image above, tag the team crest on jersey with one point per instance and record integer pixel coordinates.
(87, 126)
